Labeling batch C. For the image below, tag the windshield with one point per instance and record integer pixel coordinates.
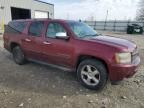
(82, 30)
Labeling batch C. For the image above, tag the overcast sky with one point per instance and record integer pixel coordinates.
(95, 9)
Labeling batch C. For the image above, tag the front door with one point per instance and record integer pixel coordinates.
(57, 51)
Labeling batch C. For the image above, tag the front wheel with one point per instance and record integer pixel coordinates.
(92, 74)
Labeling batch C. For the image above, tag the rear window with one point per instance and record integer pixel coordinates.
(36, 28)
(18, 26)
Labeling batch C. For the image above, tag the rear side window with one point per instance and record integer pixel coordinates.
(16, 27)
(36, 28)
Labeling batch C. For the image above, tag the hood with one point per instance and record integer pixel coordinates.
(116, 42)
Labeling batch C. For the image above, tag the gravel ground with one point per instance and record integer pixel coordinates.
(38, 86)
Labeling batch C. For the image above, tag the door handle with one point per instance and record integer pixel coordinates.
(27, 40)
(46, 43)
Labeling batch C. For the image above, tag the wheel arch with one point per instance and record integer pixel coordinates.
(84, 57)
(13, 45)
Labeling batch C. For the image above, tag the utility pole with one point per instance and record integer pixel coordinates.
(106, 16)
(106, 19)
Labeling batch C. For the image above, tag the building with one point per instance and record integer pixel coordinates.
(24, 9)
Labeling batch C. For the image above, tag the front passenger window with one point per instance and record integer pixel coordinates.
(53, 29)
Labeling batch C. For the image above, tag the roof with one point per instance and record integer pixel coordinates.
(45, 19)
(33, 19)
(44, 2)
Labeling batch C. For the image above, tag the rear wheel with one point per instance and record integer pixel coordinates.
(92, 74)
(18, 55)
(141, 31)
(129, 31)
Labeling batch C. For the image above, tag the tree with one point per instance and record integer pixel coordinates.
(140, 13)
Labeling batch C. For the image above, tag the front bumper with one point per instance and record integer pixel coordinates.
(118, 72)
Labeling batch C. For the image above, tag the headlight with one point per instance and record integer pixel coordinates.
(123, 58)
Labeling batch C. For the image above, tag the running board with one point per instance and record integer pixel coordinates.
(51, 65)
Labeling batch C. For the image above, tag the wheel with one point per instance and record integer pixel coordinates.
(18, 55)
(92, 74)
(129, 31)
(141, 31)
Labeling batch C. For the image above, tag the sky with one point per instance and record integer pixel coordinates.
(95, 9)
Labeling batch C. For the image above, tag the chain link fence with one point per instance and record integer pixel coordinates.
(119, 26)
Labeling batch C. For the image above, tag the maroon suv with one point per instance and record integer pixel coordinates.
(72, 45)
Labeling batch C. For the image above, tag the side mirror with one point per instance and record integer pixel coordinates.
(62, 35)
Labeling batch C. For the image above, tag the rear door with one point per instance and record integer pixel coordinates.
(32, 43)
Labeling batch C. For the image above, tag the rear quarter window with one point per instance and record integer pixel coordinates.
(15, 27)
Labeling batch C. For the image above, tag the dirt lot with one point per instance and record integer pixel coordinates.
(38, 86)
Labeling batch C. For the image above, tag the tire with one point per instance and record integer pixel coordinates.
(18, 55)
(141, 31)
(129, 31)
(98, 71)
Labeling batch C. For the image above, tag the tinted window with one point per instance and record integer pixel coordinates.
(36, 28)
(18, 26)
(53, 29)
